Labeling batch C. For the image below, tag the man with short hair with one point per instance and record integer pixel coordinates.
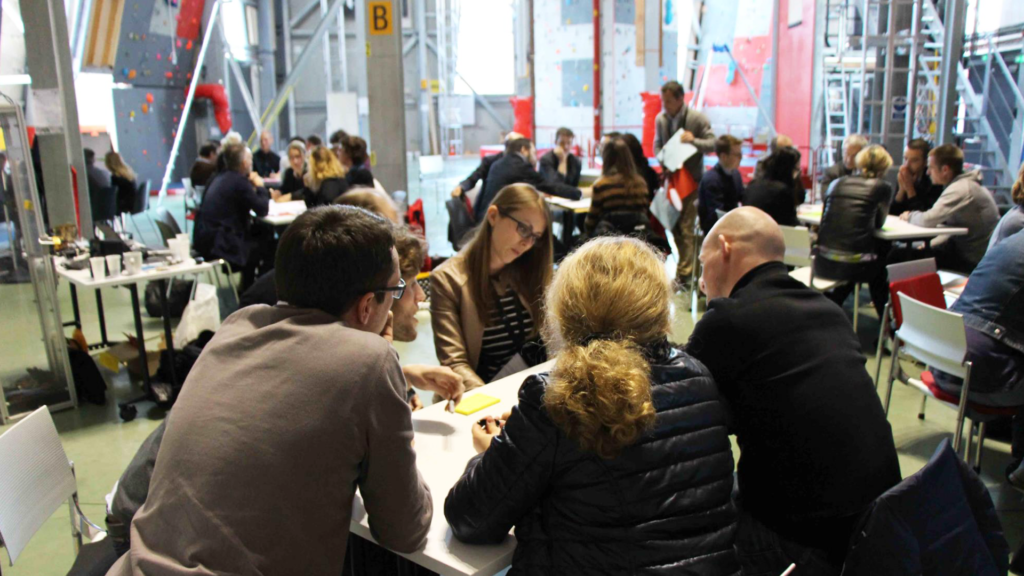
(815, 447)
(289, 409)
(516, 166)
(722, 187)
(481, 172)
(965, 203)
(97, 176)
(696, 131)
(265, 161)
(560, 164)
(205, 166)
(312, 141)
(915, 190)
(336, 140)
(852, 146)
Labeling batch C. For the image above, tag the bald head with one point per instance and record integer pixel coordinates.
(265, 141)
(779, 142)
(742, 240)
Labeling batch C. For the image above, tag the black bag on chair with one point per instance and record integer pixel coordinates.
(634, 224)
(460, 221)
(181, 291)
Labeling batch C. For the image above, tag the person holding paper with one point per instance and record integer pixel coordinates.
(288, 411)
(682, 184)
(618, 461)
(485, 301)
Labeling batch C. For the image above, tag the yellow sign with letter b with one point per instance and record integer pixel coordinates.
(381, 17)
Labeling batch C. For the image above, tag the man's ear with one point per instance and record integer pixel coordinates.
(363, 308)
(725, 246)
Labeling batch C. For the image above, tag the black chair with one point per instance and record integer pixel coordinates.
(140, 205)
(103, 202)
(166, 223)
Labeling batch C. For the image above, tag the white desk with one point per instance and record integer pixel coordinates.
(83, 278)
(444, 444)
(576, 206)
(284, 213)
(894, 229)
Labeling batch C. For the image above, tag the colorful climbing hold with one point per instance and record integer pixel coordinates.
(145, 153)
(132, 114)
(158, 56)
(188, 45)
(131, 74)
(124, 71)
(169, 75)
(145, 108)
(149, 97)
(178, 42)
(586, 87)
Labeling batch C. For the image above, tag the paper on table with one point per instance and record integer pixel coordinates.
(675, 152)
(286, 208)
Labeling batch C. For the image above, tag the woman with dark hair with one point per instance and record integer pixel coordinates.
(617, 461)
(643, 167)
(485, 301)
(123, 179)
(355, 160)
(773, 192)
(620, 194)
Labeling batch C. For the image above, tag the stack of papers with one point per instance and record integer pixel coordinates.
(674, 153)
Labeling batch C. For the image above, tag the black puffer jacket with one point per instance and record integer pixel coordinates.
(854, 208)
(662, 507)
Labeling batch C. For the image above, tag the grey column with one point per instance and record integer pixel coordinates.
(952, 49)
(49, 62)
(386, 92)
(268, 71)
(424, 87)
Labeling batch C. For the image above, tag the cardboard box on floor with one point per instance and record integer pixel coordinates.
(127, 353)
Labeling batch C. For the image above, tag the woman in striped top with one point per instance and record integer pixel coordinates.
(485, 301)
(620, 191)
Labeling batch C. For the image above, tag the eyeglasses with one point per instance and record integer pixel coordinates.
(525, 230)
(399, 290)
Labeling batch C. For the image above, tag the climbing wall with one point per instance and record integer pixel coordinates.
(622, 80)
(156, 54)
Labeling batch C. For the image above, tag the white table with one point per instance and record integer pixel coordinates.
(284, 213)
(894, 229)
(150, 272)
(444, 444)
(569, 209)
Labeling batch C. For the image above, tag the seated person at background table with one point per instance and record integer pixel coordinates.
(98, 177)
(485, 301)
(292, 185)
(619, 199)
(852, 146)
(223, 224)
(517, 167)
(122, 177)
(324, 179)
(815, 447)
(560, 164)
(643, 167)
(915, 188)
(774, 145)
(286, 161)
(480, 174)
(205, 166)
(618, 461)
(992, 304)
(265, 161)
(855, 207)
(1013, 221)
(336, 139)
(268, 406)
(312, 141)
(964, 202)
(356, 161)
(722, 187)
(773, 192)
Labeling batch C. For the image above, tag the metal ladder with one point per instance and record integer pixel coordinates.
(837, 118)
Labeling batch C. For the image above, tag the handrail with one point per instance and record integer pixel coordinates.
(1009, 77)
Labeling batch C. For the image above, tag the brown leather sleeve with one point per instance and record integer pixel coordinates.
(449, 341)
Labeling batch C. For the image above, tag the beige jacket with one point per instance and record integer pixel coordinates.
(284, 415)
(454, 317)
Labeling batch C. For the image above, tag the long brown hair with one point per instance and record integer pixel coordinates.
(617, 159)
(117, 166)
(530, 273)
(607, 300)
(321, 165)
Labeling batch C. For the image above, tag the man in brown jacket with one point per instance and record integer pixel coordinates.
(288, 410)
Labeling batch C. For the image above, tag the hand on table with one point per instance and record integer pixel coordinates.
(482, 435)
(687, 137)
(905, 216)
(439, 379)
(256, 180)
(415, 403)
(275, 195)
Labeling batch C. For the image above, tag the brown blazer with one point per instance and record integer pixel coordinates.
(454, 317)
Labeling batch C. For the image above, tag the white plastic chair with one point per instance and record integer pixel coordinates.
(937, 338)
(896, 273)
(35, 479)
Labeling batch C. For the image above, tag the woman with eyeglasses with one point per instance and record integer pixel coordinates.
(485, 301)
(618, 461)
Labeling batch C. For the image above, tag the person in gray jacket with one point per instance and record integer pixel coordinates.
(697, 131)
(267, 444)
(965, 203)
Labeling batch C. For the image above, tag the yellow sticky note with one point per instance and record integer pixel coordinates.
(475, 404)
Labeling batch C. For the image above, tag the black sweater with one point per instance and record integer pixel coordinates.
(815, 445)
(662, 507)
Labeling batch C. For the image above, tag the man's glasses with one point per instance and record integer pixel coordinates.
(525, 230)
(399, 290)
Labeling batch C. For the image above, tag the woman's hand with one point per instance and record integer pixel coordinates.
(482, 435)
(440, 379)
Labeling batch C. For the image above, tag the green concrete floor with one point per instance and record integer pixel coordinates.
(101, 445)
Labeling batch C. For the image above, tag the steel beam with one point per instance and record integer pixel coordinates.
(424, 83)
(386, 92)
(952, 51)
(265, 52)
